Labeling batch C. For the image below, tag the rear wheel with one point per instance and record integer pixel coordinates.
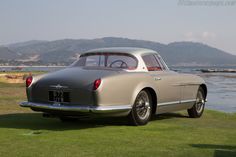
(142, 109)
(197, 110)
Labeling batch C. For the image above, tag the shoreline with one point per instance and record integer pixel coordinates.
(26, 66)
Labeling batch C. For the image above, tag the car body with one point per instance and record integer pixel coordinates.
(108, 81)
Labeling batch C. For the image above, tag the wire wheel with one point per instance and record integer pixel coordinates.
(200, 102)
(142, 105)
(142, 109)
(197, 110)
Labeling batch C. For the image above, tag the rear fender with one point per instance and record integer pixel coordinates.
(139, 88)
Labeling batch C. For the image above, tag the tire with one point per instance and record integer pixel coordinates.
(198, 108)
(67, 119)
(142, 109)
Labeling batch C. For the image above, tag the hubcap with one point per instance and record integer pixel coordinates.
(142, 106)
(200, 102)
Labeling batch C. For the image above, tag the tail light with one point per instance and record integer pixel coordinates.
(28, 81)
(96, 84)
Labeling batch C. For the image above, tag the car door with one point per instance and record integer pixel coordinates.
(166, 81)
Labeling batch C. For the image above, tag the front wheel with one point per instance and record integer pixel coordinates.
(197, 110)
(142, 109)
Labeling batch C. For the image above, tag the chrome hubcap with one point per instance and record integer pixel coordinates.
(142, 106)
(200, 102)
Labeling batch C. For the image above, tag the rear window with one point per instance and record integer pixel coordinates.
(109, 60)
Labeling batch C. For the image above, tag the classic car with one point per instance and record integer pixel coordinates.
(132, 82)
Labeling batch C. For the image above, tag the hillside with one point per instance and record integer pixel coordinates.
(196, 53)
(66, 50)
(7, 54)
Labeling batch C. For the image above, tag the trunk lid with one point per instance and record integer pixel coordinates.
(75, 83)
(75, 77)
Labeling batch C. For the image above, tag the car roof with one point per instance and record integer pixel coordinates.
(130, 50)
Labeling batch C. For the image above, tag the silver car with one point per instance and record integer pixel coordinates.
(131, 82)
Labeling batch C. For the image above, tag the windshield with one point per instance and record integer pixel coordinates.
(109, 60)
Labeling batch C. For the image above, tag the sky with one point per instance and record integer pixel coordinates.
(155, 20)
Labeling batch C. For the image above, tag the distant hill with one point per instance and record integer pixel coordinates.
(178, 53)
(7, 54)
(66, 50)
(26, 43)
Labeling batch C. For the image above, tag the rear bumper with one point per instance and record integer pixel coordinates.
(93, 109)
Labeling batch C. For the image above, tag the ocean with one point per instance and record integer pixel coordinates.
(221, 86)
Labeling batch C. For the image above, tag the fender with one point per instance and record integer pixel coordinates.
(140, 87)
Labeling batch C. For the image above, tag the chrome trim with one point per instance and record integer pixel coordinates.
(176, 102)
(58, 86)
(186, 84)
(94, 109)
(168, 103)
(157, 78)
(189, 100)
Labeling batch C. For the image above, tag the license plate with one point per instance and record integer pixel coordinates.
(59, 96)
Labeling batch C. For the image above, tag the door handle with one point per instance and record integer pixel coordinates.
(157, 78)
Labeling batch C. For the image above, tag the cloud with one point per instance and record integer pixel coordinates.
(208, 35)
(199, 37)
(189, 36)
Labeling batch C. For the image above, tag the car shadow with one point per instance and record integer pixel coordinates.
(169, 116)
(219, 150)
(35, 121)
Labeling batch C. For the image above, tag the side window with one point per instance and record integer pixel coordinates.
(95, 60)
(160, 61)
(151, 63)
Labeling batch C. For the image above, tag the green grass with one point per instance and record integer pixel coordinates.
(23, 72)
(25, 133)
(20, 74)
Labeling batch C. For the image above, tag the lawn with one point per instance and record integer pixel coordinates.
(17, 76)
(25, 133)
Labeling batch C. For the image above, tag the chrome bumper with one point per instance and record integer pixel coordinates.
(94, 109)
